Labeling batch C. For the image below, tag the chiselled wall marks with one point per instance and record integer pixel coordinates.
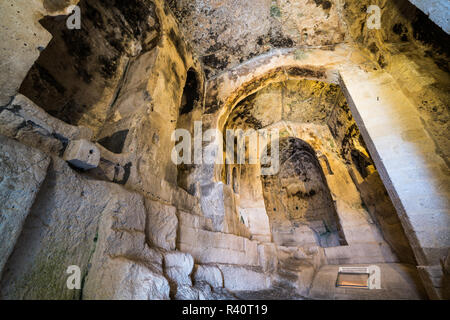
(413, 50)
(298, 196)
(76, 75)
(141, 227)
(240, 30)
(103, 232)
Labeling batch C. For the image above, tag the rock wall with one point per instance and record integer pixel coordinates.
(367, 180)
(415, 52)
(76, 76)
(409, 46)
(87, 178)
(62, 231)
(227, 33)
(78, 218)
(298, 198)
(436, 10)
(22, 38)
(22, 172)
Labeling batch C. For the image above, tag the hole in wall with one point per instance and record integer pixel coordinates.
(190, 93)
(116, 142)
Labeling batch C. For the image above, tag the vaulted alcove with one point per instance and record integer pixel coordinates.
(189, 112)
(298, 201)
(315, 145)
(324, 170)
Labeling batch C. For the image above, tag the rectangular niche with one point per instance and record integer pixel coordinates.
(353, 278)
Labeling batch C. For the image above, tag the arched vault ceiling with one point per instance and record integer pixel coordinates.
(303, 101)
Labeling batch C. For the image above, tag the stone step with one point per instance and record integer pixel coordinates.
(295, 275)
(188, 220)
(214, 247)
(241, 278)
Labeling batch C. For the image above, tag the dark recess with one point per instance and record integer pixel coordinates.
(115, 142)
(428, 32)
(190, 93)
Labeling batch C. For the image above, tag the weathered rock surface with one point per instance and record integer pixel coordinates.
(435, 281)
(241, 30)
(416, 188)
(214, 247)
(203, 291)
(193, 221)
(361, 253)
(122, 279)
(446, 264)
(178, 267)
(213, 206)
(209, 274)
(22, 171)
(239, 278)
(82, 154)
(26, 122)
(123, 266)
(295, 275)
(60, 232)
(413, 50)
(162, 224)
(268, 259)
(93, 57)
(186, 292)
(21, 38)
(436, 10)
(131, 77)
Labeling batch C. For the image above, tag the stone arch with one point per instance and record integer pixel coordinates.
(224, 92)
(227, 90)
(298, 200)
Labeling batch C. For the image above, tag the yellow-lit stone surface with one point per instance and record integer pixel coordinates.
(363, 121)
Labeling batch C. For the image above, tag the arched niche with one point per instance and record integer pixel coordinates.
(298, 201)
(191, 92)
(355, 197)
(190, 110)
